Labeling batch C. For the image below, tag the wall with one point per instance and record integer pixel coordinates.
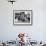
(37, 31)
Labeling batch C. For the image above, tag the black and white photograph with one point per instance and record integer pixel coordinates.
(22, 16)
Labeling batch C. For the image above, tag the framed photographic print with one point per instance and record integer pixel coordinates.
(22, 17)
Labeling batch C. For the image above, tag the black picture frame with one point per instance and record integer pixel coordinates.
(22, 17)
